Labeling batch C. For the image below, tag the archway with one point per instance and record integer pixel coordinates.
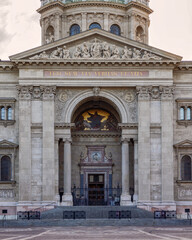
(94, 155)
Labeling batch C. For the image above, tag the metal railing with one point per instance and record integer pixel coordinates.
(145, 2)
(96, 196)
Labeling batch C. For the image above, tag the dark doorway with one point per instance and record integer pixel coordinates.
(96, 190)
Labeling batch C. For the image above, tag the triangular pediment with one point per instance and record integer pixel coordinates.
(184, 144)
(7, 144)
(95, 45)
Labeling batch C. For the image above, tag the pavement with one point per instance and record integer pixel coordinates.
(93, 233)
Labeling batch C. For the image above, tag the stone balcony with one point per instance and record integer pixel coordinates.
(145, 2)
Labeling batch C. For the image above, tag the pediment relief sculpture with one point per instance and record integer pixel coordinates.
(97, 50)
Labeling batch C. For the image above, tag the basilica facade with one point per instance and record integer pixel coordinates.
(95, 115)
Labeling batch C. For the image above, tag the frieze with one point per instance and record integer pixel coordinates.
(96, 74)
(7, 194)
(98, 50)
(185, 193)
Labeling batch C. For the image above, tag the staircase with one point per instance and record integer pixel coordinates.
(96, 212)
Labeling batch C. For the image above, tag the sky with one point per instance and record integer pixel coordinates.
(170, 28)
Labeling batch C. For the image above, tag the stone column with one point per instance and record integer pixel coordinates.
(67, 197)
(135, 170)
(167, 144)
(106, 22)
(125, 197)
(42, 23)
(57, 26)
(143, 144)
(57, 197)
(132, 26)
(24, 143)
(48, 187)
(84, 22)
(63, 26)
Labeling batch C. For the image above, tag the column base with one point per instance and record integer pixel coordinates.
(67, 200)
(126, 200)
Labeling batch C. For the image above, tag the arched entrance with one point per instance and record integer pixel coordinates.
(96, 151)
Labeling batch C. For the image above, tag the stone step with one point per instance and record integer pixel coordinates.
(96, 212)
(94, 222)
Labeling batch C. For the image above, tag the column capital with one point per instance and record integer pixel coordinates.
(167, 92)
(67, 140)
(48, 92)
(125, 140)
(143, 92)
(24, 92)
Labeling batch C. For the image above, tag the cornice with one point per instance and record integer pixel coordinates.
(7, 66)
(95, 3)
(87, 134)
(184, 66)
(96, 62)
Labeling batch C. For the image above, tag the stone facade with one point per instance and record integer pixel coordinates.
(144, 92)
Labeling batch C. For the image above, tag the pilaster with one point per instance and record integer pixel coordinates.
(167, 143)
(48, 188)
(84, 22)
(106, 21)
(24, 143)
(143, 144)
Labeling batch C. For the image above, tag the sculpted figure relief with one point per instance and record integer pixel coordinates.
(115, 53)
(77, 53)
(126, 53)
(98, 50)
(50, 38)
(85, 51)
(106, 50)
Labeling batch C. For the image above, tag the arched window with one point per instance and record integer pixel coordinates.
(188, 113)
(9, 113)
(5, 168)
(186, 168)
(75, 29)
(182, 113)
(94, 25)
(2, 113)
(115, 29)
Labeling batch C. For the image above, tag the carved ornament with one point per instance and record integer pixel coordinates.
(48, 92)
(24, 92)
(98, 50)
(167, 92)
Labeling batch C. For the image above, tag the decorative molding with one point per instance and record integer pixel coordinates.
(128, 125)
(155, 93)
(7, 144)
(96, 91)
(48, 92)
(7, 194)
(24, 92)
(167, 92)
(6, 123)
(143, 93)
(37, 93)
(185, 123)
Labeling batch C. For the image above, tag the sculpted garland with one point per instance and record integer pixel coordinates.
(98, 50)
